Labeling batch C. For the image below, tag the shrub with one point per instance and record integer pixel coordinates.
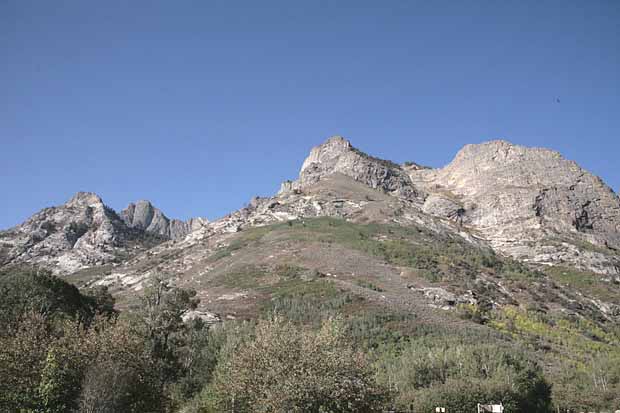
(288, 368)
(434, 371)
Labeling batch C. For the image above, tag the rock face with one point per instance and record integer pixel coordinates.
(337, 155)
(143, 215)
(83, 232)
(530, 203)
(444, 207)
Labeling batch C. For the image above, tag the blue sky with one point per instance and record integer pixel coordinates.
(200, 105)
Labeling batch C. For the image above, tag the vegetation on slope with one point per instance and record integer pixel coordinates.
(66, 350)
(549, 322)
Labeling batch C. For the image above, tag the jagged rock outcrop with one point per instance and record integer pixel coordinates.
(444, 207)
(337, 155)
(143, 215)
(530, 203)
(83, 232)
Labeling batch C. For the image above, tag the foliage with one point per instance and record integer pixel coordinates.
(585, 282)
(23, 291)
(160, 318)
(23, 351)
(120, 375)
(60, 351)
(308, 302)
(369, 284)
(287, 368)
(288, 270)
(585, 355)
(457, 375)
(59, 368)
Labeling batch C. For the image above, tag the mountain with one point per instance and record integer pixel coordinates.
(470, 232)
(529, 203)
(143, 215)
(506, 247)
(84, 232)
(337, 155)
(467, 230)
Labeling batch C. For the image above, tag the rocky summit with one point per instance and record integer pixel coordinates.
(506, 250)
(337, 155)
(525, 204)
(84, 232)
(143, 215)
(528, 203)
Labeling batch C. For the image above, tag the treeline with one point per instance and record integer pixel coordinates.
(62, 350)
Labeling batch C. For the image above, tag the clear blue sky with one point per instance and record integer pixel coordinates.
(199, 105)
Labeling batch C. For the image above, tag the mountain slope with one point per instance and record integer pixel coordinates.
(83, 232)
(511, 246)
(530, 203)
(527, 203)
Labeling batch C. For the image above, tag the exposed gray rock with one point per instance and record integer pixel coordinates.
(337, 155)
(439, 297)
(530, 203)
(83, 232)
(444, 207)
(205, 316)
(143, 215)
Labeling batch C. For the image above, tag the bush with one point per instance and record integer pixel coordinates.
(65, 367)
(435, 371)
(287, 368)
(24, 291)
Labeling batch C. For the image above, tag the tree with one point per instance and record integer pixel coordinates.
(27, 290)
(66, 359)
(23, 350)
(288, 368)
(120, 376)
(100, 301)
(197, 358)
(459, 375)
(163, 307)
(534, 390)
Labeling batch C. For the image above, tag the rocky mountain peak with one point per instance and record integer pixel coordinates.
(531, 203)
(81, 199)
(330, 149)
(144, 216)
(140, 214)
(82, 232)
(481, 167)
(337, 156)
(501, 151)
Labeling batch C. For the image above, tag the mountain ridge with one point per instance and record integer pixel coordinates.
(142, 214)
(527, 203)
(85, 232)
